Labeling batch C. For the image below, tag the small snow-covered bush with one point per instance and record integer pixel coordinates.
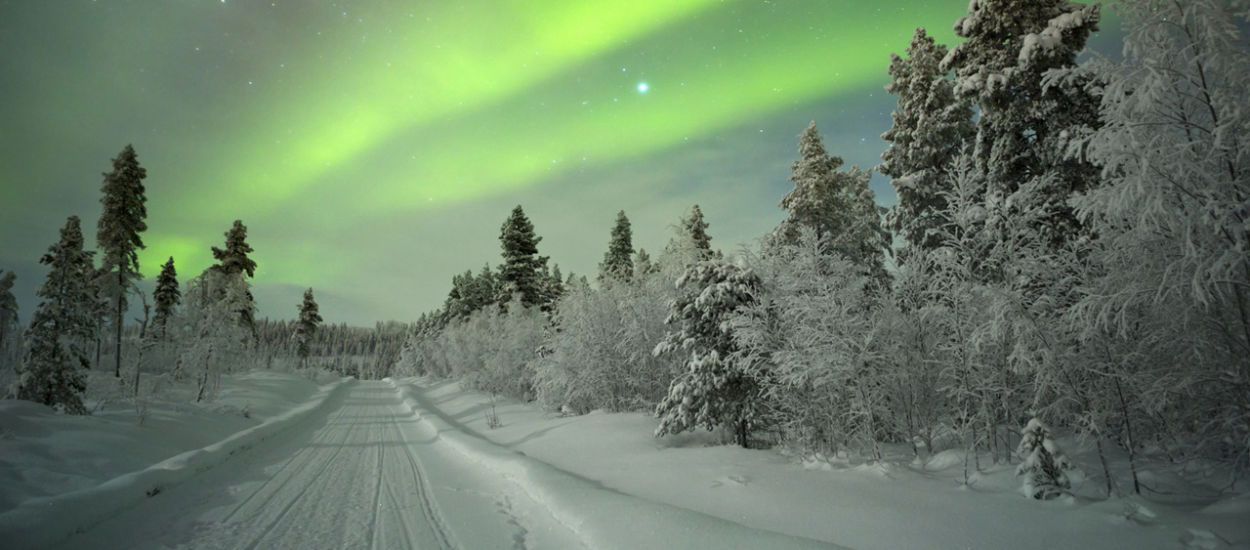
(1044, 463)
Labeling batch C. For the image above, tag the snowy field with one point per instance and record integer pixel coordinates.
(413, 463)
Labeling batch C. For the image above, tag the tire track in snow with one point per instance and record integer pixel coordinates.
(377, 495)
(429, 508)
(299, 495)
(285, 472)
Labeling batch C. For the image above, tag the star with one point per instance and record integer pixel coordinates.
(643, 87)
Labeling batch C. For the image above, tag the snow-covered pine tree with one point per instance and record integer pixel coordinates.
(838, 205)
(522, 265)
(306, 327)
(117, 235)
(617, 262)
(1023, 126)
(930, 128)
(718, 388)
(167, 297)
(60, 326)
(8, 319)
(1044, 464)
(234, 260)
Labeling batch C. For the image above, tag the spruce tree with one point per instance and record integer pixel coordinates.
(167, 297)
(8, 316)
(1043, 463)
(522, 266)
(693, 226)
(60, 326)
(117, 234)
(617, 262)
(1026, 124)
(718, 388)
(309, 320)
(838, 205)
(930, 127)
(233, 260)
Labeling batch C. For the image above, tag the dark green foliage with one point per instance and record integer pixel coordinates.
(522, 267)
(8, 313)
(234, 258)
(1025, 125)
(117, 233)
(838, 205)
(470, 292)
(122, 220)
(617, 262)
(306, 327)
(694, 227)
(60, 325)
(167, 296)
(930, 127)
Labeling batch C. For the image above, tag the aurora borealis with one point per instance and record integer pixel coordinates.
(373, 148)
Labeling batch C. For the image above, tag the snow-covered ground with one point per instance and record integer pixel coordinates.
(864, 506)
(43, 453)
(412, 463)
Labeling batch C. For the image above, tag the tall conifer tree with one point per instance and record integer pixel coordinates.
(60, 326)
(522, 266)
(617, 262)
(838, 205)
(233, 260)
(930, 127)
(8, 315)
(694, 227)
(1025, 125)
(167, 297)
(306, 327)
(117, 234)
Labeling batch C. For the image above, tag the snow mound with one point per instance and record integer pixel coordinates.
(593, 511)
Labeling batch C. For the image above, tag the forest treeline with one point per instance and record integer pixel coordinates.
(1070, 247)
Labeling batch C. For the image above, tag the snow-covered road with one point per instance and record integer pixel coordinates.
(366, 475)
(373, 472)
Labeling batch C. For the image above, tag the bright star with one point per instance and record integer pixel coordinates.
(643, 87)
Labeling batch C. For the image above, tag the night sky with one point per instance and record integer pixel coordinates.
(374, 148)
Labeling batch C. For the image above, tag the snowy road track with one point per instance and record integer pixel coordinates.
(366, 475)
(380, 468)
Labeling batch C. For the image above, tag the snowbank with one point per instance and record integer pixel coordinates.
(886, 506)
(591, 510)
(40, 521)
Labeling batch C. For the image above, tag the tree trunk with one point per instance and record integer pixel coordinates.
(1128, 427)
(117, 321)
(1106, 470)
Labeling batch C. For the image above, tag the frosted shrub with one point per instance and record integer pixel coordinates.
(601, 354)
